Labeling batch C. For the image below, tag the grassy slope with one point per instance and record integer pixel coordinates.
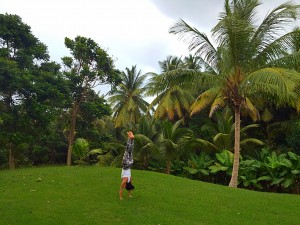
(89, 196)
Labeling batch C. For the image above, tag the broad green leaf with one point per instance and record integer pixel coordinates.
(277, 181)
(264, 178)
(288, 182)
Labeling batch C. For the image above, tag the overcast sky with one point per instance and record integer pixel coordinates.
(134, 32)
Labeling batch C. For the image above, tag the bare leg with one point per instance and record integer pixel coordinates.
(129, 192)
(123, 184)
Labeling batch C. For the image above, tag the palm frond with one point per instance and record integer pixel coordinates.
(251, 141)
(251, 109)
(274, 53)
(235, 29)
(298, 105)
(155, 101)
(204, 100)
(217, 104)
(223, 141)
(279, 84)
(244, 129)
(274, 23)
(288, 61)
(266, 115)
(206, 145)
(144, 143)
(196, 41)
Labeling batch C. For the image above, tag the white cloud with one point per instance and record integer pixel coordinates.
(135, 32)
(128, 29)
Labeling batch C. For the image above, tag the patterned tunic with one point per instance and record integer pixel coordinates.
(128, 157)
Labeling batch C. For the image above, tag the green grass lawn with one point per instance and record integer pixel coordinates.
(89, 196)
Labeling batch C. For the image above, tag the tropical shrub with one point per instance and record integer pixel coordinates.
(80, 150)
(198, 166)
(222, 168)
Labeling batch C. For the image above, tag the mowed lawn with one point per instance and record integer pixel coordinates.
(89, 196)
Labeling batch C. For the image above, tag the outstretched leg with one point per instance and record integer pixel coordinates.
(129, 192)
(123, 184)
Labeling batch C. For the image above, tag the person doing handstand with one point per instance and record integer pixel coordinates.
(126, 167)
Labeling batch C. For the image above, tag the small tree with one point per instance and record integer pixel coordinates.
(80, 149)
(171, 141)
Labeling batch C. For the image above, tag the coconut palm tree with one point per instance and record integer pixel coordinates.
(172, 99)
(128, 98)
(252, 63)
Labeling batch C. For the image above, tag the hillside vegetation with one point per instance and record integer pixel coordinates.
(89, 196)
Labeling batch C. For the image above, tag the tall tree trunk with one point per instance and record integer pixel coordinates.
(71, 135)
(236, 162)
(11, 158)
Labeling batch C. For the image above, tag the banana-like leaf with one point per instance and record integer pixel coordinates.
(203, 143)
(264, 178)
(295, 172)
(288, 182)
(251, 140)
(96, 151)
(293, 156)
(217, 168)
(277, 181)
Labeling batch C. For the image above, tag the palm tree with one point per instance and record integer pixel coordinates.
(222, 132)
(145, 137)
(172, 140)
(171, 63)
(192, 62)
(128, 98)
(249, 62)
(173, 100)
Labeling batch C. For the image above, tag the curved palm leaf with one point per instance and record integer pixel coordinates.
(196, 41)
(280, 84)
(253, 141)
(205, 99)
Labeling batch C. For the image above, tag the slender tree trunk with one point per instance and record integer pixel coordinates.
(71, 135)
(236, 162)
(145, 162)
(168, 167)
(11, 158)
